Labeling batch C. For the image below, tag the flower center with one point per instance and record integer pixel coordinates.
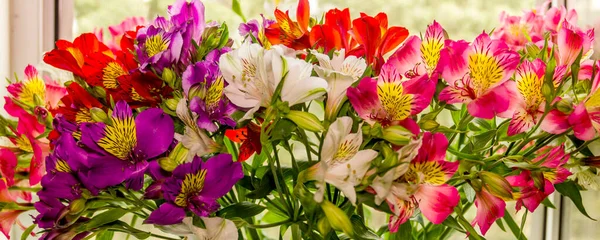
(155, 45)
(62, 166)
(485, 72)
(83, 115)
(530, 86)
(425, 172)
(110, 73)
(430, 50)
(192, 184)
(215, 91)
(23, 143)
(396, 104)
(31, 88)
(120, 137)
(346, 151)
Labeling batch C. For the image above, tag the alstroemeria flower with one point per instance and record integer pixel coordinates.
(158, 48)
(47, 91)
(530, 108)
(8, 217)
(119, 151)
(287, 32)
(556, 16)
(489, 208)
(203, 84)
(478, 75)
(517, 31)
(77, 104)
(216, 229)
(342, 164)
(51, 212)
(340, 72)
(117, 31)
(424, 185)
(196, 186)
(194, 138)
(249, 139)
(62, 180)
(71, 56)
(390, 99)
(334, 33)
(570, 42)
(375, 38)
(253, 73)
(553, 158)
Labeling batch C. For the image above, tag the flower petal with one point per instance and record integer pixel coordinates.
(166, 214)
(154, 132)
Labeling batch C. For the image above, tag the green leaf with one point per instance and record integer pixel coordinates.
(500, 224)
(469, 192)
(105, 235)
(548, 203)
(237, 9)
(102, 219)
(360, 230)
(452, 223)
(27, 231)
(267, 184)
(241, 210)
(514, 228)
(570, 190)
(404, 232)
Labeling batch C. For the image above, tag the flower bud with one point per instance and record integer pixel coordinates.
(305, 120)
(167, 164)
(323, 226)
(77, 206)
(98, 92)
(532, 50)
(198, 90)
(548, 91)
(179, 154)
(171, 103)
(564, 106)
(37, 100)
(429, 125)
(99, 115)
(538, 179)
(397, 135)
(169, 77)
(496, 185)
(337, 218)
(376, 130)
(592, 162)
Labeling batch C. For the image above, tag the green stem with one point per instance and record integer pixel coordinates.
(584, 145)
(270, 225)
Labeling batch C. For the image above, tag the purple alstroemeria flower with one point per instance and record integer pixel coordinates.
(196, 186)
(184, 14)
(158, 175)
(119, 152)
(203, 84)
(51, 212)
(63, 168)
(70, 232)
(158, 47)
(254, 28)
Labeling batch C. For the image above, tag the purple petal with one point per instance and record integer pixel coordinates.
(203, 206)
(166, 214)
(122, 110)
(135, 181)
(61, 185)
(155, 131)
(222, 173)
(105, 172)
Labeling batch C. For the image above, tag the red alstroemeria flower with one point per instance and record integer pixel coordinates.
(249, 137)
(375, 38)
(147, 89)
(110, 73)
(77, 104)
(289, 33)
(71, 56)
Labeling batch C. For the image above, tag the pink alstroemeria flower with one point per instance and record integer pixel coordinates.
(531, 196)
(570, 42)
(489, 208)
(8, 217)
(556, 16)
(390, 99)
(530, 108)
(517, 31)
(424, 185)
(478, 76)
(48, 91)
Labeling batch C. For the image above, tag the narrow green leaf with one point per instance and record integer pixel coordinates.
(548, 203)
(27, 232)
(452, 223)
(105, 235)
(241, 210)
(360, 230)
(102, 219)
(404, 232)
(237, 9)
(514, 228)
(570, 190)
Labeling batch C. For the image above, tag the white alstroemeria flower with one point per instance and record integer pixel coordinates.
(383, 185)
(342, 164)
(216, 229)
(340, 72)
(253, 73)
(194, 138)
(585, 177)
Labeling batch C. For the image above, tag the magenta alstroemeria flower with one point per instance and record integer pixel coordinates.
(478, 75)
(196, 186)
(530, 107)
(391, 99)
(211, 105)
(120, 151)
(531, 196)
(570, 42)
(424, 186)
(489, 208)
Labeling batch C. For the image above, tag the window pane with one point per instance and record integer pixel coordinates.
(576, 226)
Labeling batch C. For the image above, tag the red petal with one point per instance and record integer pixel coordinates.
(303, 15)
(392, 38)
(64, 60)
(237, 135)
(325, 36)
(366, 32)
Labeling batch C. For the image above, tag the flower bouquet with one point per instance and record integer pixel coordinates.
(303, 129)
